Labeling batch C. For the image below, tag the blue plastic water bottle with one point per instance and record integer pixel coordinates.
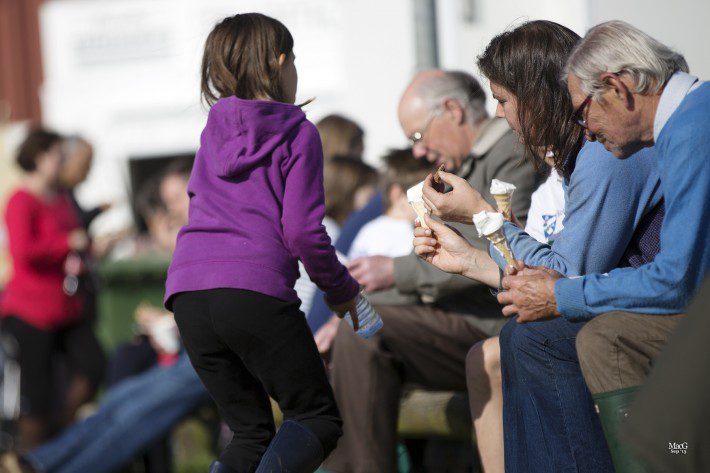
(369, 319)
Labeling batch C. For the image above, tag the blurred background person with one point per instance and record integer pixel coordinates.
(341, 137)
(349, 184)
(155, 340)
(78, 156)
(41, 307)
(161, 203)
(389, 234)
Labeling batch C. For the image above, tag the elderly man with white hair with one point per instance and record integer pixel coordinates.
(630, 92)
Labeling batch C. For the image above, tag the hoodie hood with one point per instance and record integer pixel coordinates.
(241, 133)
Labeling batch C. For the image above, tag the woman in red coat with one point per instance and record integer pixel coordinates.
(41, 307)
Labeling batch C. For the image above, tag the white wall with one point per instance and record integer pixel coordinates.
(683, 25)
(125, 73)
(467, 26)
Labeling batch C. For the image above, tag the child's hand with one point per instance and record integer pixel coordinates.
(342, 309)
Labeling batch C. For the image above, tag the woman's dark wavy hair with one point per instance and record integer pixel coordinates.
(528, 62)
(241, 58)
(38, 141)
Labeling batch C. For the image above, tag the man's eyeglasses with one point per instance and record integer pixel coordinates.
(416, 137)
(580, 115)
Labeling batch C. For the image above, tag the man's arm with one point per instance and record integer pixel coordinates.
(666, 285)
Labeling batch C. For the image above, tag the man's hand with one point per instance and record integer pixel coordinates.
(530, 293)
(326, 334)
(459, 205)
(374, 273)
(441, 246)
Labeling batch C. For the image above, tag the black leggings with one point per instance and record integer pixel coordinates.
(247, 346)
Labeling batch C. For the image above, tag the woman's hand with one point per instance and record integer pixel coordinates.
(441, 246)
(459, 205)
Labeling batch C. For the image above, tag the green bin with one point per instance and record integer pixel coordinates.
(124, 285)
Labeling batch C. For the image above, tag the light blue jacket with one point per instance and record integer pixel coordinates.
(605, 198)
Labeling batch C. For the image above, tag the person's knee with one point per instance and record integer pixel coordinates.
(595, 338)
(507, 332)
(524, 341)
(483, 362)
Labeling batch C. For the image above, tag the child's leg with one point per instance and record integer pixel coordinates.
(241, 399)
(274, 342)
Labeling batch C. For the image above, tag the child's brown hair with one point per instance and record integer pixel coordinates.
(342, 178)
(241, 58)
(402, 169)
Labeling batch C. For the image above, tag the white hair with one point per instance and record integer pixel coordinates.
(459, 86)
(620, 48)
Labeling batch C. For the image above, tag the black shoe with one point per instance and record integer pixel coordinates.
(294, 449)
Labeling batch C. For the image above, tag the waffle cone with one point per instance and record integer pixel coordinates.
(421, 211)
(501, 243)
(504, 204)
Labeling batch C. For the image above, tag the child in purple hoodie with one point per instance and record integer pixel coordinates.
(256, 208)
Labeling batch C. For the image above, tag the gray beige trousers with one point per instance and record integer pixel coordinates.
(616, 350)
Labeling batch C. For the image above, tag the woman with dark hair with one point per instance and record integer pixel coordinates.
(41, 307)
(548, 421)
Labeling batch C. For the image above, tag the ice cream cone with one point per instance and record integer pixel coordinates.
(490, 225)
(504, 204)
(502, 192)
(415, 199)
(501, 243)
(421, 211)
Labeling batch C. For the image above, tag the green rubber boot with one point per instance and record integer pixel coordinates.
(613, 408)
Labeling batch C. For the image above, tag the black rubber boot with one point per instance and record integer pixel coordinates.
(614, 409)
(294, 449)
(217, 467)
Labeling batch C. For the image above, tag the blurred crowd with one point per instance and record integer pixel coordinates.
(608, 223)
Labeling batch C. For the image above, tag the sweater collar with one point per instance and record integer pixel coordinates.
(678, 86)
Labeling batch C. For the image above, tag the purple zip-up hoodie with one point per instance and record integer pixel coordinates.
(257, 206)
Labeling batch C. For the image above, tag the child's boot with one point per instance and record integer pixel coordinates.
(294, 449)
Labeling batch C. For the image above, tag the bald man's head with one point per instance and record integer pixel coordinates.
(78, 156)
(440, 112)
(412, 100)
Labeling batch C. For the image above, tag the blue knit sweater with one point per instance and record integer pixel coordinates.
(666, 285)
(605, 199)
